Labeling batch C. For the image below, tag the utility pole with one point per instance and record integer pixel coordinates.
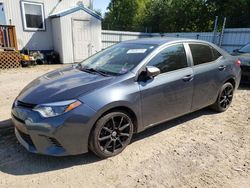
(222, 32)
(215, 29)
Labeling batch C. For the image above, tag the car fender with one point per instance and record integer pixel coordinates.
(121, 105)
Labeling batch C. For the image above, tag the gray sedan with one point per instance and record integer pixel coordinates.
(101, 102)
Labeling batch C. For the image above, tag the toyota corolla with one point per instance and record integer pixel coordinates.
(100, 103)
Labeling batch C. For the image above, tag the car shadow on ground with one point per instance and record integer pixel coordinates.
(15, 160)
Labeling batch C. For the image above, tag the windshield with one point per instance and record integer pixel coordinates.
(118, 59)
(245, 49)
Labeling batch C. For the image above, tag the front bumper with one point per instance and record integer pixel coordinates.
(67, 134)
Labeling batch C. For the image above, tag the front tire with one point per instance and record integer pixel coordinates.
(111, 135)
(225, 98)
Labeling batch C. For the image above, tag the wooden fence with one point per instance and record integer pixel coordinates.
(8, 38)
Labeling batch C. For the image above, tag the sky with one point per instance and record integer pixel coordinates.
(101, 4)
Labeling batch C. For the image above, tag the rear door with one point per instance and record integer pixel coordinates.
(207, 69)
(169, 94)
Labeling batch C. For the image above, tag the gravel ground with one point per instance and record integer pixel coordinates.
(202, 149)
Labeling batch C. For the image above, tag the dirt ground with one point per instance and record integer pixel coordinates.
(202, 149)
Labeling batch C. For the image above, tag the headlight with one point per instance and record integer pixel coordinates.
(57, 108)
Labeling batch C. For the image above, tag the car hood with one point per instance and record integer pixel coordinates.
(63, 84)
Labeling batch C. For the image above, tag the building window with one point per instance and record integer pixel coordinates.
(33, 16)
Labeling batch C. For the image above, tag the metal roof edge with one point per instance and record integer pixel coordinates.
(75, 9)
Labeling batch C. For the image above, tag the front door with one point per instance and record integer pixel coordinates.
(81, 40)
(169, 94)
(2, 15)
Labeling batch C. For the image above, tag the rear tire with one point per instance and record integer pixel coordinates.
(111, 135)
(225, 98)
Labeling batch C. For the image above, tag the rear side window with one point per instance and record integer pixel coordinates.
(216, 54)
(201, 53)
(170, 59)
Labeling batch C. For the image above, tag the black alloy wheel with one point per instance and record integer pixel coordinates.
(113, 132)
(225, 98)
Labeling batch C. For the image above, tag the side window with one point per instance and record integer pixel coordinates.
(201, 53)
(170, 59)
(216, 54)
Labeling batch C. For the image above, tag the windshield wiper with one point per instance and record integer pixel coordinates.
(91, 70)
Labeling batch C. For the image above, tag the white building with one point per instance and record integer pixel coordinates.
(68, 27)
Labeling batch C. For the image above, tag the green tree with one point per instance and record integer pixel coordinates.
(120, 14)
(175, 15)
(179, 15)
(237, 12)
(124, 15)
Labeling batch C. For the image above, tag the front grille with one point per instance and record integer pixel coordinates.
(18, 119)
(25, 105)
(55, 142)
(26, 138)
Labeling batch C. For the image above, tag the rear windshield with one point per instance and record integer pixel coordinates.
(118, 59)
(245, 49)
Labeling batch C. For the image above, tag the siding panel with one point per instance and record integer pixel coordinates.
(232, 38)
(112, 37)
(235, 38)
(39, 40)
(66, 46)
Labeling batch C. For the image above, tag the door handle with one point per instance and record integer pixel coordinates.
(188, 78)
(222, 67)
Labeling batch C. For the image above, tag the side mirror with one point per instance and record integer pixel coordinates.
(152, 71)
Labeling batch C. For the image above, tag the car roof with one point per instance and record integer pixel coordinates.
(160, 41)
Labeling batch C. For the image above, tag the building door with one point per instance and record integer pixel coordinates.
(2, 15)
(81, 40)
